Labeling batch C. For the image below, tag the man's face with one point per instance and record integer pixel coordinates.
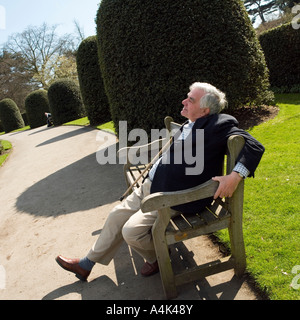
(191, 105)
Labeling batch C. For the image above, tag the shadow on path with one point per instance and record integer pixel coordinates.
(63, 136)
(130, 285)
(83, 185)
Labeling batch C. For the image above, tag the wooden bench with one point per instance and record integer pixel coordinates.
(221, 214)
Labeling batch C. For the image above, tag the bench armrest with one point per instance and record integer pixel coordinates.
(160, 200)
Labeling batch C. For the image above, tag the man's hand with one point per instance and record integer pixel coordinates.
(228, 184)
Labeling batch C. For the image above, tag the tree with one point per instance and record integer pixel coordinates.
(79, 31)
(15, 78)
(41, 48)
(260, 8)
(65, 67)
(151, 51)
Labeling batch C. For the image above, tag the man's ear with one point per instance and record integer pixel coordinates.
(206, 111)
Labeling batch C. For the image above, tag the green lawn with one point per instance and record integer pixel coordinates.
(271, 206)
(109, 126)
(6, 147)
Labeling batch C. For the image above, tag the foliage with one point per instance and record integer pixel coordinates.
(5, 147)
(65, 67)
(25, 118)
(10, 115)
(15, 78)
(36, 105)
(65, 101)
(151, 51)
(281, 46)
(91, 83)
(271, 205)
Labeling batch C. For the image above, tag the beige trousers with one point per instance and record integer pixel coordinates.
(127, 222)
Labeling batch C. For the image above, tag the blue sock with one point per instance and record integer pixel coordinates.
(86, 264)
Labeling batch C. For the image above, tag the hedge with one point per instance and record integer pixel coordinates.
(10, 115)
(281, 46)
(65, 101)
(36, 104)
(151, 51)
(91, 83)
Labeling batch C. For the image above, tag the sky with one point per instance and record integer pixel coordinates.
(17, 15)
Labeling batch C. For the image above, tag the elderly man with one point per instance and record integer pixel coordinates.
(202, 108)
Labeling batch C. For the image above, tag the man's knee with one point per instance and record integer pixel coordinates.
(128, 234)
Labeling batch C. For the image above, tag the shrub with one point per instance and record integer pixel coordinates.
(36, 104)
(281, 46)
(91, 83)
(10, 115)
(25, 119)
(151, 51)
(65, 101)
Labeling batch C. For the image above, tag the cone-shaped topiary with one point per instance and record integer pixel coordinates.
(10, 115)
(151, 51)
(36, 104)
(65, 101)
(91, 83)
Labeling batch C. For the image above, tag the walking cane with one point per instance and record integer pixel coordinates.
(145, 170)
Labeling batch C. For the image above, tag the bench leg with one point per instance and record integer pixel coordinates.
(162, 254)
(237, 247)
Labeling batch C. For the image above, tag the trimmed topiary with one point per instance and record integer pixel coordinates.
(281, 47)
(151, 51)
(65, 101)
(36, 104)
(91, 83)
(10, 115)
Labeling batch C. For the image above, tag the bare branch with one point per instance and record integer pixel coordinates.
(40, 47)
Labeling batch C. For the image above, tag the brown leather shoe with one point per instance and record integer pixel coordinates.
(149, 269)
(72, 265)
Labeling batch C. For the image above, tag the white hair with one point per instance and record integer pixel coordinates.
(214, 99)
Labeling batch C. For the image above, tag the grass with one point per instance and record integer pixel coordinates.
(271, 206)
(108, 126)
(6, 147)
(22, 129)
